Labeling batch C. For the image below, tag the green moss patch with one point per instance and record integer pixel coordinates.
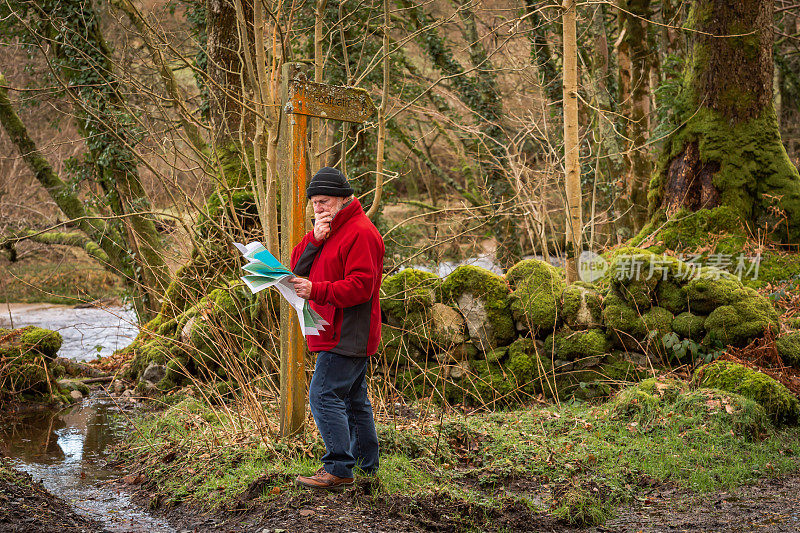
(409, 291)
(572, 345)
(483, 299)
(581, 306)
(689, 326)
(537, 288)
(788, 347)
(781, 405)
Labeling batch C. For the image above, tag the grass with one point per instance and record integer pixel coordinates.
(577, 462)
(56, 282)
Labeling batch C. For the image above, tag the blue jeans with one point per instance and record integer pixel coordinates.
(341, 409)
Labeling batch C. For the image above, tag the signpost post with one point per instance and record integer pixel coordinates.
(303, 99)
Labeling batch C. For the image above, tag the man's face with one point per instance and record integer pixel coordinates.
(326, 205)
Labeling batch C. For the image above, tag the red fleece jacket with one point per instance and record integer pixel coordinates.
(345, 272)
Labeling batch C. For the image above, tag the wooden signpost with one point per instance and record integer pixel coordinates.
(303, 99)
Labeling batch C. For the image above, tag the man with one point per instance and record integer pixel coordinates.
(342, 257)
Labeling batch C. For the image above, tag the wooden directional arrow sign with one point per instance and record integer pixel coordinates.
(333, 102)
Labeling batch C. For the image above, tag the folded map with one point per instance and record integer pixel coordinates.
(264, 270)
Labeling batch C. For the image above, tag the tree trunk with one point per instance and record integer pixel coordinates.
(635, 61)
(728, 152)
(224, 70)
(572, 165)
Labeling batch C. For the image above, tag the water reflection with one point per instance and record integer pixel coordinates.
(68, 451)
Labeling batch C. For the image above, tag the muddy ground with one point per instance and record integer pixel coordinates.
(771, 505)
(27, 507)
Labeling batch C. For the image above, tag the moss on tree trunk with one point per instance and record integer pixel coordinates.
(728, 151)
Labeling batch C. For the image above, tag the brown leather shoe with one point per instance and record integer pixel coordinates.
(323, 480)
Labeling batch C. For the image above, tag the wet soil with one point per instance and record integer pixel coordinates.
(354, 510)
(27, 507)
(770, 505)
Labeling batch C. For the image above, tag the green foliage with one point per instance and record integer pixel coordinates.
(682, 350)
(781, 405)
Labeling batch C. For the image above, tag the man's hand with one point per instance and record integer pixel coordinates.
(322, 226)
(302, 287)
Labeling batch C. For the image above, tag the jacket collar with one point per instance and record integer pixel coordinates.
(347, 212)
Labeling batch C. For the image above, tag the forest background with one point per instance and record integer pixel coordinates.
(152, 116)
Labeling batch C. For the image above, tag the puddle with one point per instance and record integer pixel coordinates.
(87, 333)
(68, 452)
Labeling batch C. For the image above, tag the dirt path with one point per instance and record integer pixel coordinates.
(27, 507)
(770, 506)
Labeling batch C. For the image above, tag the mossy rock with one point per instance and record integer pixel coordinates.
(497, 355)
(712, 290)
(671, 296)
(574, 345)
(724, 411)
(41, 341)
(25, 376)
(624, 323)
(586, 384)
(657, 322)
(634, 275)
(745, 319)
(74, 384)
(581, 306)
(689, 326)
(482, 298)
(177, 371)
(791, 323)
(27, 356)
(409, 291)
(153, 351)
(781, 405)
(788, 346)
(218, 330)
(772, 269)
(493, 386)
(617, 369)
(511, 377)
(432, 383)
(435, 329)
(528, 367)
(537, 289)
(671, 403)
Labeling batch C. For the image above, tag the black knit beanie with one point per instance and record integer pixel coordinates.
(330, 182)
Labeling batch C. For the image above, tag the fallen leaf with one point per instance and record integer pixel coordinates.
(275, 491)
(306, 512)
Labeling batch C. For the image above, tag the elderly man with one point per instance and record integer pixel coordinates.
(342, 257)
